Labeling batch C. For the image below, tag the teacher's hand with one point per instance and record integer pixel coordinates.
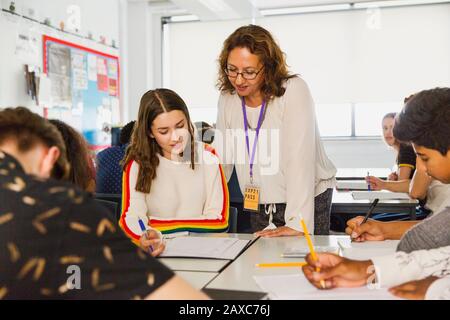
(278, 232)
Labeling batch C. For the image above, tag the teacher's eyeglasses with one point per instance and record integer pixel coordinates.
(247, 75)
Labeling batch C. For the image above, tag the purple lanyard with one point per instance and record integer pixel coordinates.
(260, 120)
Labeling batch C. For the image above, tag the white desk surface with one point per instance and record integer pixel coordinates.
(197, 279)
(204, 265)
(239, 274)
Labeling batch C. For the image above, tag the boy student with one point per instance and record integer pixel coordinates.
(50, 230)
(422, 122)
(425, 122)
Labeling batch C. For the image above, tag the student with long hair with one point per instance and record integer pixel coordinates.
(171, 182)
(82, 171)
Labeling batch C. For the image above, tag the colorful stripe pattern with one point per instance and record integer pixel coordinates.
(178, 225)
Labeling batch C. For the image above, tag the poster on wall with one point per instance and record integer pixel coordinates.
(88, 81)
(59, 66)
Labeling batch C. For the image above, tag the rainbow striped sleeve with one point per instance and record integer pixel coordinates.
(178, 225)
(126, 203)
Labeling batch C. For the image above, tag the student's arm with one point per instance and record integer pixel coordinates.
(374, 230)
(222, 143)
(420, 182)
(133, 203)
(388, 270)
(394, 186)
(404, 172)
(402, 267)
(177, 289)
(214, 217)
(428, 234)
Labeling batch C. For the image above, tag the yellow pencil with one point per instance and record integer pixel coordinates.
(281, 264)
(311, 248)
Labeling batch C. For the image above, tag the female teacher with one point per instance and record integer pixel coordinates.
(266, 129)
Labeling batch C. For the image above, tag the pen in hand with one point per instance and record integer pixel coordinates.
(144, 233)
(368, 182)
(369, 212)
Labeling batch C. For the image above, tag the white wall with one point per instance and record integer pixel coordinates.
(99, 17)
(369, 58)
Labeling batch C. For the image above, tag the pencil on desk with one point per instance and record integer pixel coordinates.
(281, 264)
(311, 248)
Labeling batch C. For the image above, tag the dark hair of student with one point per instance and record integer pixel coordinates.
(425, 120)
(81, 166)
(125, 133)
(260, 42)
(28, 128)
(143, 148)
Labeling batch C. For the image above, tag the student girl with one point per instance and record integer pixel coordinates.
(82, 170)
(406, 158)
(274, 111)
(171, 182)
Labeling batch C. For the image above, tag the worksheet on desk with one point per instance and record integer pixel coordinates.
(297, 287)
(204, 247)
(382, 195)
(367, 249)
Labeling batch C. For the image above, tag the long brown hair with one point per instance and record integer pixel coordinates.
(260, 42)
(143, 149)
(82, 172)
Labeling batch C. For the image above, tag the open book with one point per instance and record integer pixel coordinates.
(382, 195)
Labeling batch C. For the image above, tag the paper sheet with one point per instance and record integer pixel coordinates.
(297, 287)
(371, 195)
(301, 252)
(351, 185)
(368, 249)
(203, 247)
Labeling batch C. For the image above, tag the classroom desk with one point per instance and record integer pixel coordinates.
(361, 173)
(239, 274)
(344, 207)
(204, 265)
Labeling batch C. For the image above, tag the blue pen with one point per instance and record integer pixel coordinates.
(368, 183)
(144, 230)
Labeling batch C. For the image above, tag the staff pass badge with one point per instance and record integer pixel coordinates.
(251, 198)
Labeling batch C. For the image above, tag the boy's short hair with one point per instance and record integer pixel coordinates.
(425, 120)
(28, 128)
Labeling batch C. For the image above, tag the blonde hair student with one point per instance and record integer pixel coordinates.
(171, 181)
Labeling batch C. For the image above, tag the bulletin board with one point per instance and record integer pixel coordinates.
(84, 89)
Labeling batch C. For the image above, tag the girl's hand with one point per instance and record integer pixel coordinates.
(414, 290)
(152, 242)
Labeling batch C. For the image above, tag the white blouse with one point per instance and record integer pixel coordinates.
(403, 267)
(291, 165)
